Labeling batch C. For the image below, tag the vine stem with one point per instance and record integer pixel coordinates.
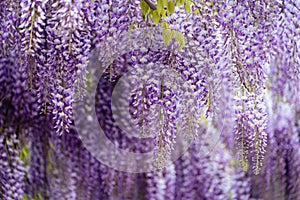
(151, 5)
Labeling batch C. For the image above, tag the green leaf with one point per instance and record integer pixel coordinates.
(179, 2)
(171, 7)
(234, 162)
(187, 6)
(144, 7)
(180, 40)
(39, 196)
(131, 26)
(24, 154)
(156, 16)
(159, 6)
(167, 33)
(165, 2)
(197, 12)
(165, 25)
(25, 197)
(163, 13)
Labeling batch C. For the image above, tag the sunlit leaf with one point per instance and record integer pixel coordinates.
(156, 16)
(167, 33)
(144, 7)
(187, 6)
(180, 40)
(165, 2)
(24, 154)
(179, 2)
(159, 6)
(171, 7)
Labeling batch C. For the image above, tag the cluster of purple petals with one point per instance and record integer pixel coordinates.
(237, 74)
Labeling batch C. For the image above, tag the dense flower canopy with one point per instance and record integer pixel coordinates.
(227, 70)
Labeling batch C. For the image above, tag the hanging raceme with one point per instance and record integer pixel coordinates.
(226, 70)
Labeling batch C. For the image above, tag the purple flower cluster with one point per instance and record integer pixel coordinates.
(231, 85)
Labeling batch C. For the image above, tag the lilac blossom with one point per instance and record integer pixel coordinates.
(237, 74)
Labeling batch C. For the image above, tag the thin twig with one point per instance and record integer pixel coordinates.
(151, 5)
